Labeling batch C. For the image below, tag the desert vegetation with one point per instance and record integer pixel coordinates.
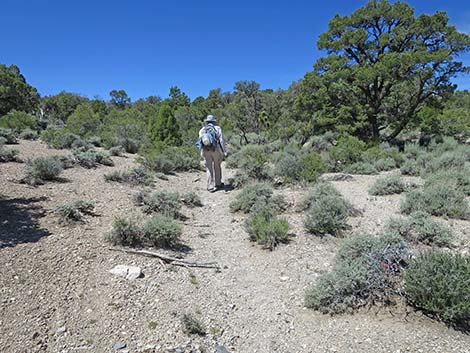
(347, 191)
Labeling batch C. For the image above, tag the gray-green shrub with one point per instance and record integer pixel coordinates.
(265, 228)
(388, 185)
(92, 158)
(362, 168)
(419, 227)
(8, 135)
(442, 198)
(439, 282)
(163, 202)
(367, 271)
(8, 155)
(136, 176)
(260, 194)
(192, 326)
(42, 169)
(191, 199)
(75, 211)
(162, 231)
(125, 232)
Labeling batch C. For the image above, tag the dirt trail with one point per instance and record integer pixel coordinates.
(56, 293)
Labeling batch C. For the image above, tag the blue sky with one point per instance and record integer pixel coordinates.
(144, 46)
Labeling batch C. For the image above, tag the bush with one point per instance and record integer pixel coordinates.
(192, 326)
(191, 199)
(238, 180)
(42, 169)
(411, 167)
(419, 227)
(363, 168)
(439, 283)
(327, 215)
(94, 141)
(74, 212)
(260, 194)
(320, 190)
(449, 160)
(384, 164)
(297, 167)
(366, 271)
(162, 231)
(459, 178)
(388, 185)
(116, 151)
(163, 202)
(8, 136)
(438, 199)
(92, 158)
(348, 150)
(28, 134)
(8, 155)
(266, 229)
(18, 121)
(253, 161)
(136, 176)
(125, 232)
(173, 159)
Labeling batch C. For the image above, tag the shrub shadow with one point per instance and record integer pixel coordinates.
(19, 221)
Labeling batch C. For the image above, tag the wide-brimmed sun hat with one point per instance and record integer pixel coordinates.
(211, 119)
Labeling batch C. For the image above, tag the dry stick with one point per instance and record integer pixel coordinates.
(171, 260)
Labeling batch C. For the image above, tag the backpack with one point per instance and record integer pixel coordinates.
(209, 137)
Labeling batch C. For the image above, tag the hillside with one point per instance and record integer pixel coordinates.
(57, 294)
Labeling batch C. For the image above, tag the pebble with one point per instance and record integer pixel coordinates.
(119, 345)
(129, 272)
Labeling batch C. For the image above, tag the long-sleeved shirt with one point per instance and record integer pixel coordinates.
(220, 137)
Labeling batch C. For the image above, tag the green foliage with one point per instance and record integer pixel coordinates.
(59, 107)
(455, 118)
(116, 151)
(162, 231)
(92, 158)
(119, 98)
(320, 190)
(18, 121)
(438, 283)
(163, 129)
(459, 178)
(441, 198)
(28, 134)
(15, 92)
(348, 150)
(75, 211)
(411, 167)
(124, 128)
(173, 159)
(163, 202)
(83, 121)
(135, 176)
(366, 271)
(42, 169)
(384, 164)
(299, 167)
(363, 168)
(125, 232)
(327, 215)
(62, 138)
(8, 155)
(253, 161)
(192, 326)
(257, 194)
(191, 199)
(8, 136)
(388, 185)
(419, 227)
(380, 69)
(265, 228)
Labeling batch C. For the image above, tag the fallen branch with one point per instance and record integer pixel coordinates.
(169, 259)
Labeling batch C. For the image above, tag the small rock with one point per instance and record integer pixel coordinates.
(221, 349)
(129, 272)
(61, 330)
(119, 345)
(284, 278)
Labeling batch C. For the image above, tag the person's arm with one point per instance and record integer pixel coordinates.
(222, 142)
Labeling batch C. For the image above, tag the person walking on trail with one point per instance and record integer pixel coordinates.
(213, 149)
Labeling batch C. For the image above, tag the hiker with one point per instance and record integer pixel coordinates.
(212, 146)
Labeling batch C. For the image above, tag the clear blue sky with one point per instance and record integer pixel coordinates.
(146, 46)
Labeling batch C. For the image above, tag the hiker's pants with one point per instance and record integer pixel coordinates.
(213, 160)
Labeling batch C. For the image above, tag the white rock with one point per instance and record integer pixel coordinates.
(129, 272)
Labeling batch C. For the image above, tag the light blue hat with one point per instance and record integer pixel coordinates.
(211, 119)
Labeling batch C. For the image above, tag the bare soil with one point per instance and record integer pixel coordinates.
(57, 295)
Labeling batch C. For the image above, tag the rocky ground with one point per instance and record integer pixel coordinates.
(57, 294)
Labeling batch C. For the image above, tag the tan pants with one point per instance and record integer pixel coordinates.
(213, 160)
